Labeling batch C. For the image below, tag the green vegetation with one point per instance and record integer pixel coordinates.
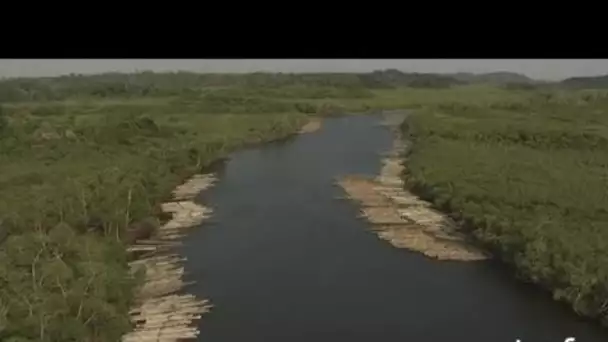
(77, 174)
(597, 82)
(527, 177)
(87, 159)
(71, 188)
(154, 85)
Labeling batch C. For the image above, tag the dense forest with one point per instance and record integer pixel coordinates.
(151, 84)
(87, 159)
(527, 180)
(598, 82)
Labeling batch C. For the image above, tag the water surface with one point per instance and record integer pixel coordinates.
(284, 260)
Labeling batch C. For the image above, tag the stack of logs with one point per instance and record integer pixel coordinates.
(161, 315)
(402, 218)
(311, 126)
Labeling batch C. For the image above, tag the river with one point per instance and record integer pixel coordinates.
(283, 259)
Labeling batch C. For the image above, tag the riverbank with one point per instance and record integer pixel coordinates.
(159, 313)
(528, 182)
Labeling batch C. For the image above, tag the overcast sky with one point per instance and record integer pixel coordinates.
(548, 69)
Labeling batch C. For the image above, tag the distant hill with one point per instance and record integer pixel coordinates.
(396, 78)
(586, 82)
(161, 84)
(500, 77)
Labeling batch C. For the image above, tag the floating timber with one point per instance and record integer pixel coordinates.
(312, 125)
(159, 314)
(402, 218)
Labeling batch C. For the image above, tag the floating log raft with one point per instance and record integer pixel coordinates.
(402, 218)
(160, 315)
(312, 125)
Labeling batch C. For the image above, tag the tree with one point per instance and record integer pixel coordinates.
(3, 120)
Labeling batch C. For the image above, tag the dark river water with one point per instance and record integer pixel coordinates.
(284, 260)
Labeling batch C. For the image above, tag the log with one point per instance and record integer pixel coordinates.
(160, 315)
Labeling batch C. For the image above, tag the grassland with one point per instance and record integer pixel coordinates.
(87, 159)
(528, 178)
